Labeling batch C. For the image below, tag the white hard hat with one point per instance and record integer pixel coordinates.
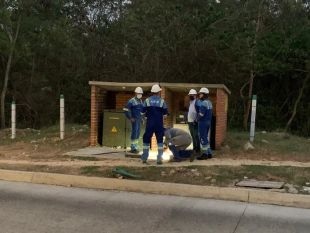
(155, 88)
(139, 90)
(192, 92)
(204, 90)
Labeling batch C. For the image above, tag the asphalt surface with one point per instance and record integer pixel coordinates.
(33, 208)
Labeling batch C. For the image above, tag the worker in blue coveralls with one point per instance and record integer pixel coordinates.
(154, 109)
(133, 111)
(204, 110)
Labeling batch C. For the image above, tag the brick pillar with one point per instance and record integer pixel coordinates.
(97, 102)
(167, 96)
(221, 117)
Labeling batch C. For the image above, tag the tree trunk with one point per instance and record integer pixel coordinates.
(247, 100)
(7, 74)
(304, 84)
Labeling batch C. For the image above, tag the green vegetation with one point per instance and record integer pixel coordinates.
(269, 145)
(96, 171)
(44, 135)
(225, 176)
(89, 170)
(220, 175)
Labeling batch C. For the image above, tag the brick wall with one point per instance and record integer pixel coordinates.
(167, 96)
(221, 117)
(122, 99)
(98, 100)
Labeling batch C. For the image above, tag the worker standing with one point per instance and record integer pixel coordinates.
(204, 117)
(192, 120)
(178, 140)
(154, 109)
(133, 111)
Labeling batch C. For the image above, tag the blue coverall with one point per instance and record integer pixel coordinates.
(133, 111)
(154, 109)
(204, 110)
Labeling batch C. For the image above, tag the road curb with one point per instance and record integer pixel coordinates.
(186, 190)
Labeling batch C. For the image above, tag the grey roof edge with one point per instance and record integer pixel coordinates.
(187, 85)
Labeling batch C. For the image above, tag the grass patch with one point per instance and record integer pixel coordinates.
(89, 170)
(40, 168)
(223, 176)
(41, 136)
(97, 171)
(274, 145)
(212, 175)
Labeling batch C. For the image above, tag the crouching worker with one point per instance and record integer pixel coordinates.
(178, 140)
(133, 111)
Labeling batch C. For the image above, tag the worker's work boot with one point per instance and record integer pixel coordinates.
(160, 151)
(177, 160)
(209, 153)
(202, 157)
(145, 154)
(159, 162)
(145, 162)
(193, 156)
(175, 152)
(134, 151)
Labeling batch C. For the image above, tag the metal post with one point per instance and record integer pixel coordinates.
(253, 116)
(13, 120)
(62, 117)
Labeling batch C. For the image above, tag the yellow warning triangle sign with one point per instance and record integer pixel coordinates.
(114, 129)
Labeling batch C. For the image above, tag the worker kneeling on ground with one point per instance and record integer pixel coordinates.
(204, 110)
(154, 109)
(178, 140)
(133, 111)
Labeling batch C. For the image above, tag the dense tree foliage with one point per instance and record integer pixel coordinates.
(253, 46)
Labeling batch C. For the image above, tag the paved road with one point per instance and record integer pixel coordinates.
(33, 208)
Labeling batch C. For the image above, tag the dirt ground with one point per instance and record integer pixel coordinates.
(275, 157)
(44, 145)
(41, 145)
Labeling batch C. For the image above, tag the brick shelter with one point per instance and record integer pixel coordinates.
(114, 96)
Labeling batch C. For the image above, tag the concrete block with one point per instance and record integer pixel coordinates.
(18, 176)
(285, 199)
